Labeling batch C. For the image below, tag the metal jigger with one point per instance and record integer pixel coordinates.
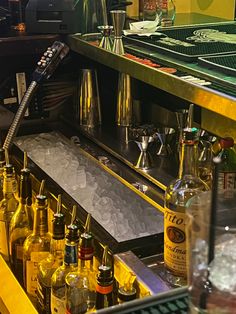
(165, 136)
(144, 160)
(118, 20)
(124, 106)
(106, 42)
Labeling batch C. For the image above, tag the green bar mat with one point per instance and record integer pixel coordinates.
(171, 302)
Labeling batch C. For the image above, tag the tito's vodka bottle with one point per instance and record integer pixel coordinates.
(21, 224)
(36, 246)
(58, 284)
(177, 196)
(55, 259)
(8, 206)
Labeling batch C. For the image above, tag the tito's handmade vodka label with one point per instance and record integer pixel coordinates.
(175, 242)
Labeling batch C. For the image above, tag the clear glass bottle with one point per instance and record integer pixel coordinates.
(21, 224)
(2, 164)
(104, 287)
(55, 259)
(168, 12)
(177, 197)
(36, 246)
(227, 171)
(8, 206)
(70, 263)
(80, 284)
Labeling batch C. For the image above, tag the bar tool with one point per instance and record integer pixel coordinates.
(143, 136)
(89, 100)
(124, 105)
(144, 160)
(165, 136)
(106, 41)
(118, 21)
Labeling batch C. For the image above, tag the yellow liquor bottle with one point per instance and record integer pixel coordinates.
(21, 224)
(54, 260)
(36, 246)
(8, 206)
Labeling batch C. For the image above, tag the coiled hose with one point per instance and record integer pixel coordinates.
(20, 114)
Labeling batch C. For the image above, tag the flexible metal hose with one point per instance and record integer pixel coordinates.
(20, 114)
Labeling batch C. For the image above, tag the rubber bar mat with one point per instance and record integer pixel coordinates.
(190, 43)
(225, 63)
(173, 302)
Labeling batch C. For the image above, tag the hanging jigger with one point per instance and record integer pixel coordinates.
(118, 20)
(106, 41)
(144, 160)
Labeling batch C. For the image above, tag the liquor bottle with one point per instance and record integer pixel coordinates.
(8, 206)
(80, 284)
(37, 245)
(127, 292)
(227, 171)
(168, 12)
(2, 164)
(70, 263)
(55, 259)
(177, 197)
(21, 224)
(104, 287)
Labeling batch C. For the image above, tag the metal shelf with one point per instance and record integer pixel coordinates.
(214, 100)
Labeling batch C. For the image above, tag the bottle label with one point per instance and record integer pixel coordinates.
(43, 296)
(3, 241)
(19, 252)
(227, 180)
(175, 242)
(9, 185)
(71, 254)
(57, 305)
(32, 271)
(104, 290)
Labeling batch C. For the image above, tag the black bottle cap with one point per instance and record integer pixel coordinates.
(86, 245)
(105, 274)
(2, 154)
(72, 233)
(191, 134)
(58, 226)
(41, 200)
(25, 191)
(9, 169)
(125, 296)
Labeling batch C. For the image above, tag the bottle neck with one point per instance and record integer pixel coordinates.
(189, 158)
(41, 220)
(9, 185)
(88, 264)
(57, 248)
(25, 190)
(71, 253)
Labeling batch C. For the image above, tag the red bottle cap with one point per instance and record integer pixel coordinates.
(226, 142)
